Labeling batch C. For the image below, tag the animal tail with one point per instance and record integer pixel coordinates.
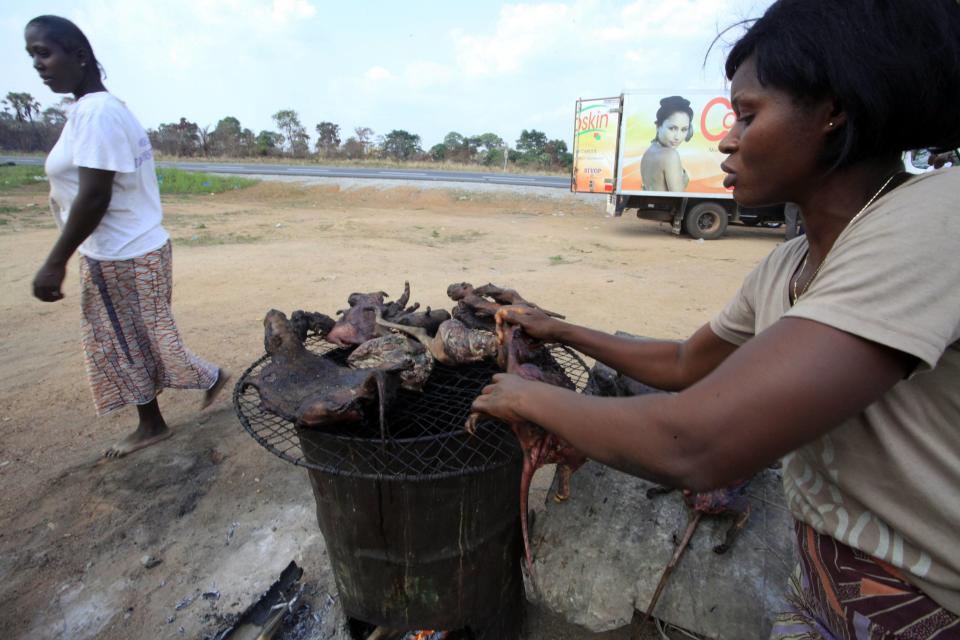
(525, 478)
(382, 398)
(691, 527)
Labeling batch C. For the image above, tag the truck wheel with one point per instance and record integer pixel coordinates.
(707, 220)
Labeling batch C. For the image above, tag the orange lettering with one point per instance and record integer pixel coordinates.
(726, 120)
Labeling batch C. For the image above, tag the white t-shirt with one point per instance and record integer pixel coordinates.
(101, 133)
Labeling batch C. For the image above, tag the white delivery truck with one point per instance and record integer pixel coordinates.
(656, 153)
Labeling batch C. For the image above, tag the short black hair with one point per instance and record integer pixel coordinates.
(671, 105)
(893, 66)
(69, 36)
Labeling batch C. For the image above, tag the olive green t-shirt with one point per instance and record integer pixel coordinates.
(887, 481)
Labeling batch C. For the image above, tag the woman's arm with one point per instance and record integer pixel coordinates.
(93, 198)
(784, 388)
(663, 364)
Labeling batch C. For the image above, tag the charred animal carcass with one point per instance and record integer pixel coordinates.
(429, 320)
(357, 323)
(477, 306)
(508, 297)
(520, 355)
(395, 353)
(729, 500)
(474, 311)
(311, 323)
(455, 343)
(312, 390)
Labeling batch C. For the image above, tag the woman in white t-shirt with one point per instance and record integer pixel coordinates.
(840, 354)
(106, 201)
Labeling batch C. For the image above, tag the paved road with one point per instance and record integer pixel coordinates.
(353, 172)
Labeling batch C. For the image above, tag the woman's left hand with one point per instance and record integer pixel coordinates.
(48, 282)
(503, 397)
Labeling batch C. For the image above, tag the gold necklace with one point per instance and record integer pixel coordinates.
(803, 265)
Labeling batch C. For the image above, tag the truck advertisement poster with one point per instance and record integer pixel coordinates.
(595, 145)
(668, 143)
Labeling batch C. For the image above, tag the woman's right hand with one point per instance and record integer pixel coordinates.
(534, 322)
(48, 282)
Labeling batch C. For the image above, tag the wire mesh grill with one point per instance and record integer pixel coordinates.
(425, 436)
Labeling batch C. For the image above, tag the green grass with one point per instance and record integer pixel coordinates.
(171, 180)
(19, 175)
(175, 181)
(209, 239)
(380, 163)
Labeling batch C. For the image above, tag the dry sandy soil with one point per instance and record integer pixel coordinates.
(222, 514)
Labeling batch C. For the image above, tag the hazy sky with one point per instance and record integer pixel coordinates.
(424, 66)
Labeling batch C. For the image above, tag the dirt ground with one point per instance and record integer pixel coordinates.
(223, 515)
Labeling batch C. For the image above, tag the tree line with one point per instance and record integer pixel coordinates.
(25, 127)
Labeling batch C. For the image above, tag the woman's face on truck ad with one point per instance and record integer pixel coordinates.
(673, 130)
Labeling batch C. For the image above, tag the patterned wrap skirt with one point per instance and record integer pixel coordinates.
(130, 341)
(840, 593)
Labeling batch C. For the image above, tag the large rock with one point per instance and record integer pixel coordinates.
(599, 556)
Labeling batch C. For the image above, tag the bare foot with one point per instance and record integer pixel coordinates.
(138, 440)
(222, 378)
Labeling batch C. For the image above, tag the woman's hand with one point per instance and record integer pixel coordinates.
(86, 212)
(48, 282)
(503, 397)
(534, 322)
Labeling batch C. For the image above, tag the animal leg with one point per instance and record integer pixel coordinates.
(419, 333)
(501, 295)
(509, 296)
(251, 382)
(525, 478)
(471, 424)
(739, 522)
(403, 299)
(653, 492)
(687, 535)
(382, 399)
(563, 482)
